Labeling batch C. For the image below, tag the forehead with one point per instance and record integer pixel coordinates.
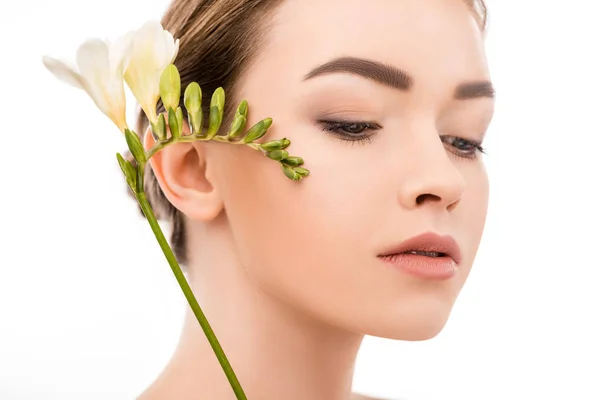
(435, 41)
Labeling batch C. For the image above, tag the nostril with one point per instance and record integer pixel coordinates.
(422, 198)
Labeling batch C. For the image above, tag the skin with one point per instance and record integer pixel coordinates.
(287, 272)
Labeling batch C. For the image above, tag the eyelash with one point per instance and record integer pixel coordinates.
(340, 129)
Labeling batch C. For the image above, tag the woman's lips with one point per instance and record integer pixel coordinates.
(421, 266)
(428, 256)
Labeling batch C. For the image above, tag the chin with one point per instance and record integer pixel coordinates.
(411, 324)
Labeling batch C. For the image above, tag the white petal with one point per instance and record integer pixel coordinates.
(175, 51)
(159, 49)
(92, 58)
(149, 33)
(120, 53)
(151, 26)
(169, 48)
(63, 72)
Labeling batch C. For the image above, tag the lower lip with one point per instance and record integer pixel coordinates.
(438, 268)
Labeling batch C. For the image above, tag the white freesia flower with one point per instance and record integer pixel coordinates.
(99, 72)
(152, 50)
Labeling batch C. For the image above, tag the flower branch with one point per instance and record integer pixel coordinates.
(144, 60)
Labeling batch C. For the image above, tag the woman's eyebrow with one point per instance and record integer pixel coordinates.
(394, 77)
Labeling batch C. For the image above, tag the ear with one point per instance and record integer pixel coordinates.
(181, 171)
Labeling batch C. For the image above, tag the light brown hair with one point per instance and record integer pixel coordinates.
(218, 39)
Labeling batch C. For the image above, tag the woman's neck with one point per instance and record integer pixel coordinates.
(275, 350)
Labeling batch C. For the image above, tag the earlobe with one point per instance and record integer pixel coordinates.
(181, 173)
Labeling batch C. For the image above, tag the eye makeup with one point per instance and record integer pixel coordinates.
(463, 148)
(361, 132)
(355, 132)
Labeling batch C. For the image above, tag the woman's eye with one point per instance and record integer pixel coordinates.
(462, 147)
(350, 130)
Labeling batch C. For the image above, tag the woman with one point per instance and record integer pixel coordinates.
(388, 103)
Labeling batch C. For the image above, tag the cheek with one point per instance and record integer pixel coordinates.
(299, 239)
(477, 198)
(472, 214)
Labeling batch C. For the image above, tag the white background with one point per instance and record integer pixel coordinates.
(84, 315)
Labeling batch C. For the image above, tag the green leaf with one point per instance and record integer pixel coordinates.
(277, 154)
(135, 146)
(258, 130)
(192, 98)
(293, 161)
(174, 125)
(170, 87)
(275, 144)
(290, 173)
(128, 170)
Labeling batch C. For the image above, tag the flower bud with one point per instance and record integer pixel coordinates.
(275, 144)
(196, 119)
(170, 87)
(290, 173)
(258, 130)
(192, 98)
(293, 161)
(243, 108)
(214, 122)
(128, 170)
(237, 126)
(174, 125)
(135, 146)
(179, 116)
(303, 172)
(159, 129)
(277, 154)
(215, 117)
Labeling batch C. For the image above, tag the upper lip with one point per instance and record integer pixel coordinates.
(428, 241)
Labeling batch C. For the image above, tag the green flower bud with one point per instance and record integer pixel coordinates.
(159, 129)
(243, 108)
(285, 143)
(277, 154)
(302, 171)
(215, 117)
(293, 161)
(192, 98)
(214, 122)
(170, 87)
(218, 98)
(128, 170)
(275, 144)
(179, 116)
(237, 126)
(290, 173)
(135, 146)
(174, 125)
(196, 119)
(258, 130)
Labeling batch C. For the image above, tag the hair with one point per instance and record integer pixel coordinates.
(217, 41)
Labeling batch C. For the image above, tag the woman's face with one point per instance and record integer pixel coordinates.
(403, 165)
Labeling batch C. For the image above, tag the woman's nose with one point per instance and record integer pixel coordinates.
(430, 178)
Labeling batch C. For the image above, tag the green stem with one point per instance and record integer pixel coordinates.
(192, 138)
(189, 295)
